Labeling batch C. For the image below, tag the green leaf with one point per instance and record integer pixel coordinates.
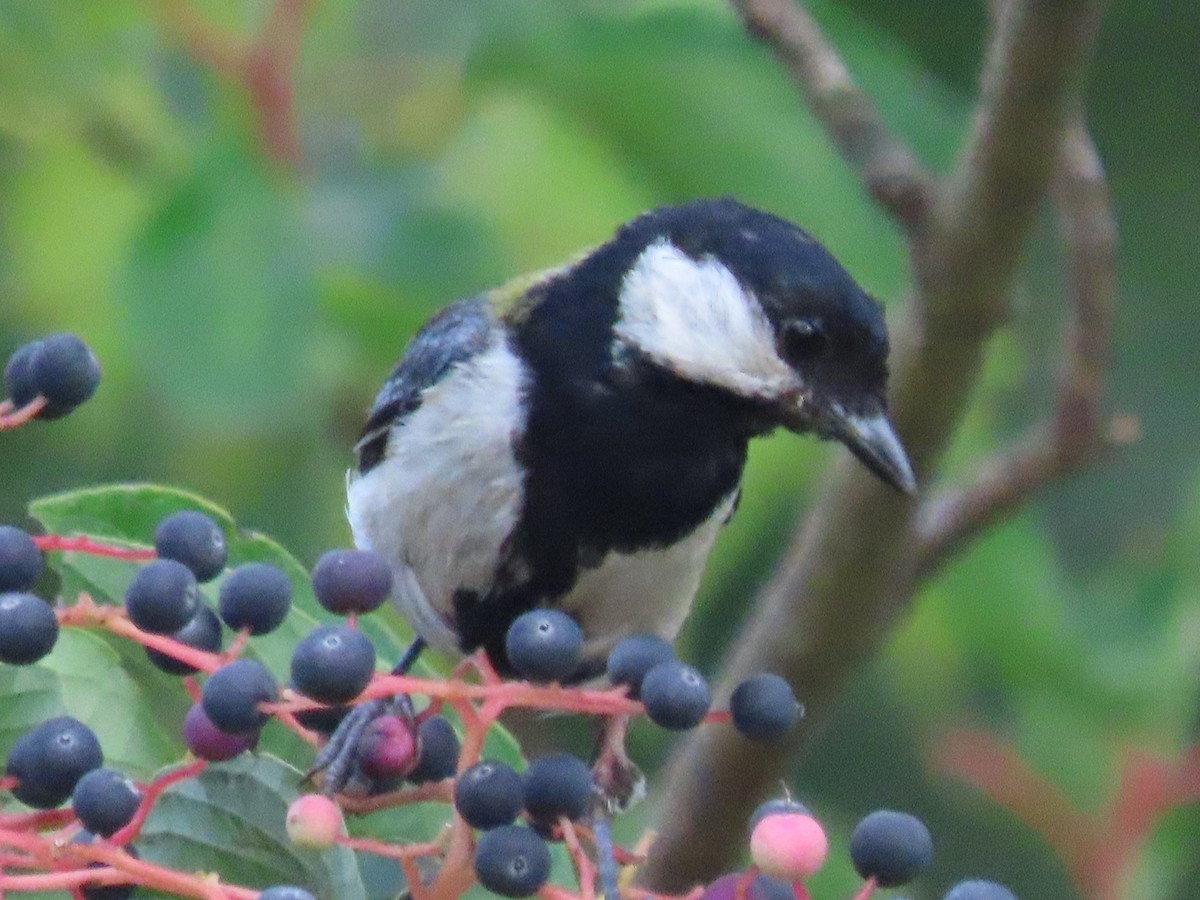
(230, 819)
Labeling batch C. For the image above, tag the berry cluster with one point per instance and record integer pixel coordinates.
(198, 611)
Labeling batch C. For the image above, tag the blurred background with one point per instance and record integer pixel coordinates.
(248, 265)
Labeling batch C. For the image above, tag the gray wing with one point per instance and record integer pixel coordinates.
(454, 335)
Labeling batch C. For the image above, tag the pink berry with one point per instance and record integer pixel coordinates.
(314, 820)
(790, 846)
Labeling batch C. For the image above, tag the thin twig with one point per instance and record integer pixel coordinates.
(887, 167)
(1076, 431)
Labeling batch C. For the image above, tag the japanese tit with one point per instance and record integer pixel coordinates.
(577, 441)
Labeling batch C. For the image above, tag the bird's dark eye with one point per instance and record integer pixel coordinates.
(804, 340)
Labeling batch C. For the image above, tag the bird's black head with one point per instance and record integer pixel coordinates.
(738, 299)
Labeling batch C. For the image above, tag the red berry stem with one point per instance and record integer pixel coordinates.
(150, 794)
(84, 544)
(585, 869)
(11, 419)
(42, 820)
(392, 851)
(87, 611)
(866, 890)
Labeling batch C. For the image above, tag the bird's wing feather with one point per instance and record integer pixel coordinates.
(454, 335)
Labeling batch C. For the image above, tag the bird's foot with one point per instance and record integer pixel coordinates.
(347, 758)
(618, 780)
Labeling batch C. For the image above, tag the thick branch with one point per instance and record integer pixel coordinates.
(850, 572)
(887, 167)
(1076, 431)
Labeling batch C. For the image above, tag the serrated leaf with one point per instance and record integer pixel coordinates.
(230, 820)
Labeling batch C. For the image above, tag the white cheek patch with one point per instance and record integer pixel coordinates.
(693, 317)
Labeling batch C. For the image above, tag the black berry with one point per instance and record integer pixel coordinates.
(323, 719)
(163, 596)
(351, 581)
(18, 374)
(676, 695)
(232, 694)
(65, 371)
(285, 892)
(558, 785)
(105, 800)
(20, 560)
(50, 759)
(256, 596)
(437, 748)
(634, 656)
(764, 707)
(488, 794)
(891, 847)
(207, 741)
(781, 806)
(544, 645)
(203, 632)
(194, 539)
(976, 889)
(512, 861)
(28, 628)
(333, 663)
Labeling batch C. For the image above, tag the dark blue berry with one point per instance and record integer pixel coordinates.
(203, 632)
(676, 695)
(28, 628)
(65, 371)
(781, 806)
(255, 596)
(49, 760)
(18, 374)
(105, 800)
(891, 847)
(20, 560)
(333, 663)
(194, 539)
(977, 889)
(323, 719)
(351, 581)
(232, 694)
(163, 597)
(762, 887)
(634, 656)
(285, 892)
(488, 794)
(438, 748)
(558, 785)
(209, 742)
(764, 707)
(512, 861)
(544, 645)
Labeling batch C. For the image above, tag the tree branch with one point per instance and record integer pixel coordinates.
(887, 167)
(851, 570)
(1076, 432)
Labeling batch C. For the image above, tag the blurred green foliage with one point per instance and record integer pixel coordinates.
(245, 310)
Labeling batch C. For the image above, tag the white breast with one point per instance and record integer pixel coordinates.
(448, 493)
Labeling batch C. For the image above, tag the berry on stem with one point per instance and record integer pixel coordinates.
(387, 748)
(763, 707)
(891, 847)
(203, 632)
(49, 760)
(351, 581)
(255, 596)
(65, 371)
(194, 539)
(20, 560)
(28, 628)
(676, 695)
(333, 663)
(209, 742)
(314, 820)
(438, 748)
(512, 861)
(163, 596)
(488, 794)
(105, 801)
(761, 887)
(558, 785)
(780, 805)
(104, 891)
(634, 656)
(789, 845)
(18, 374)
(544, 645)
(232, 695)
(978, 889)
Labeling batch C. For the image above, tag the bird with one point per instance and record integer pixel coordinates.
(577, 438)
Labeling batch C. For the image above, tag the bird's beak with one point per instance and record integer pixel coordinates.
(873, 440)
